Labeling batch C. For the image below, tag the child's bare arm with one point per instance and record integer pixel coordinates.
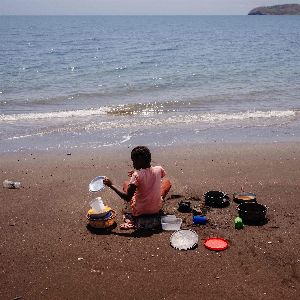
(125, 196)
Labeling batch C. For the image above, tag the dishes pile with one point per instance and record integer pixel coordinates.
(100, 216)
(102, 222)
(249, 210)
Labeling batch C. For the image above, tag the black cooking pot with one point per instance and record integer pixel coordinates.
(252, 212)
(216, 199)
(184, 206)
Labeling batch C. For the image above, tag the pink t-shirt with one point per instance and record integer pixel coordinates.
(147, 198)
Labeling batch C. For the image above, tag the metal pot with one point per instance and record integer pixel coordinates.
(252, 212)
(216, 199)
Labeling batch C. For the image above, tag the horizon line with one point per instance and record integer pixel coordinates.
(116, 15)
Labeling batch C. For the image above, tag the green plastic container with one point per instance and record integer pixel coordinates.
(238, 223)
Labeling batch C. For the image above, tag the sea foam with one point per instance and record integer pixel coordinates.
(171, 117)
(54, 114)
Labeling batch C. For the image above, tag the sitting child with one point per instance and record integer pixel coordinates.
(145, 190)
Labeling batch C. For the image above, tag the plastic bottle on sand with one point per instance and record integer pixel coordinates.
(238, 223)
(11, 184)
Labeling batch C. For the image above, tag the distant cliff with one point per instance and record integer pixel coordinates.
(285, 9)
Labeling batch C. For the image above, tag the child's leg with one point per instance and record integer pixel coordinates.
(165, 187)
(128, 218)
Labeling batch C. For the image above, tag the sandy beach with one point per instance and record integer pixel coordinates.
(46, 250)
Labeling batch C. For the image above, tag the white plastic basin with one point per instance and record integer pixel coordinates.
(172, 225)
(168, 218)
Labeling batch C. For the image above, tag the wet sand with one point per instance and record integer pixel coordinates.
(46, 250)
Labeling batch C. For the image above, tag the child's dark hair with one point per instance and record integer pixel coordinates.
(141, 152)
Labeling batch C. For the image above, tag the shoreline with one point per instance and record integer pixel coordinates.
(170, 136)
(47, 250)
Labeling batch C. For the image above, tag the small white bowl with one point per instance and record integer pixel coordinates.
(173, 225)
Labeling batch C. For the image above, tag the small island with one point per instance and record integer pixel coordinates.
(285, 9)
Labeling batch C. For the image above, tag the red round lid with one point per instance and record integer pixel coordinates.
(216, 244)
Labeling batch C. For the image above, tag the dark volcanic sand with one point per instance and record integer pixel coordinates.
(46, 250)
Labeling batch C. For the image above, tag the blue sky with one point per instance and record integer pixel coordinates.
(133, 7)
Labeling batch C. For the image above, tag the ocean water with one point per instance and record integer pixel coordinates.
(104, 81)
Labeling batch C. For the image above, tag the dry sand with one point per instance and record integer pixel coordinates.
(46, 250)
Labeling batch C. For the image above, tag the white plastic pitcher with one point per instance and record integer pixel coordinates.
(97, 204)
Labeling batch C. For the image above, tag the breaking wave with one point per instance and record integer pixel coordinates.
(54, 115)
(189, 111)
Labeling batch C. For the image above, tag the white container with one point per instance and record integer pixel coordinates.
(172, 225)
(97, 205)
(11, 184)
(168, 218)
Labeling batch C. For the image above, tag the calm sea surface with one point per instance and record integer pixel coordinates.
(95, 81)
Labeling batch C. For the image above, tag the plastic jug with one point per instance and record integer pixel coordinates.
(97, 204)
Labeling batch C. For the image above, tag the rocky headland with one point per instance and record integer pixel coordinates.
(285, 9)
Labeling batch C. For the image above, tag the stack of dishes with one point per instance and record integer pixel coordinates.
(103, 219)
(99, 216)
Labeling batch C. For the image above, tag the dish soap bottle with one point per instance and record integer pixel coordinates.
(238, 223)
